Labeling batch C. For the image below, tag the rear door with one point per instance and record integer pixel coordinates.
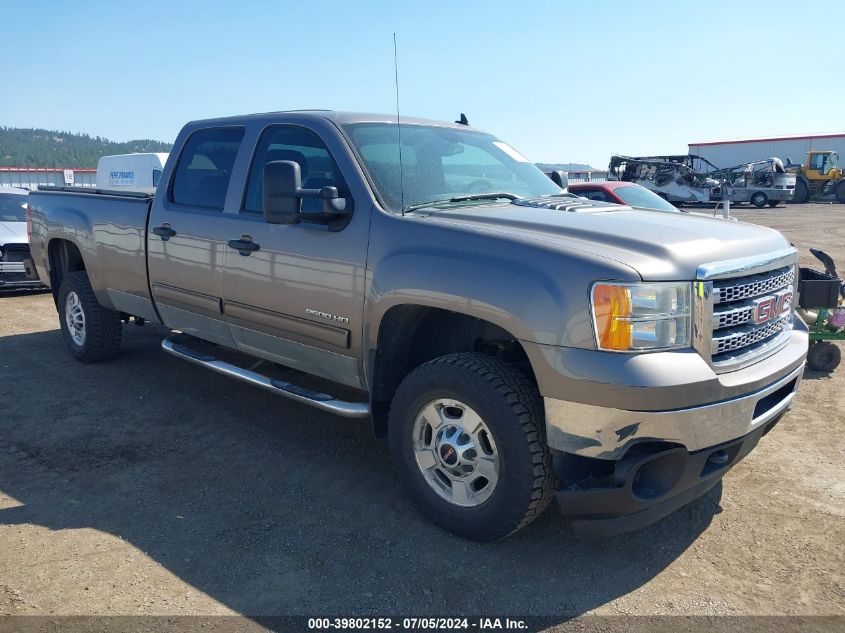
(186, 249)
(297, 298)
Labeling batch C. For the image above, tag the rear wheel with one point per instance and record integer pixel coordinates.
(467, 438)
(759, 199)
(773, 203)
(802, 192)
(92, 332)
(824, 356)
(840, 191)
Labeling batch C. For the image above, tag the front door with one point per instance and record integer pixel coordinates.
(186, 249)
(294, 294)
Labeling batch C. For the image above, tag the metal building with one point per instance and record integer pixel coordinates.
(729, 153)
(31, 177)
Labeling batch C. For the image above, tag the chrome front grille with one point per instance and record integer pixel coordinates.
(736, 337)
(739, 338)
(753, 286)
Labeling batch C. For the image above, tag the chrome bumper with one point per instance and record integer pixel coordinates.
(607, 433)
(11, 267)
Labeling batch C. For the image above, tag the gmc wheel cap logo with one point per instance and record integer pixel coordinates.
(765, 309)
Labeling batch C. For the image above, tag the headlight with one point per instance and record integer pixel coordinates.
(642, 316)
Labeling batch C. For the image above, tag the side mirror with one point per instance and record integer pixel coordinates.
(283, 194)
(560, 178)
(281, 189)
(333, 204)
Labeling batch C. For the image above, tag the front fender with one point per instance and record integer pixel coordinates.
(537, 291)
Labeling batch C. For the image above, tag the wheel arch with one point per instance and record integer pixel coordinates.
(64, 257)
(410, 334)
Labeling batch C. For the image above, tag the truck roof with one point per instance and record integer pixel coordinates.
(338, 117)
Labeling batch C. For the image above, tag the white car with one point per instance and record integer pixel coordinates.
(14, 244)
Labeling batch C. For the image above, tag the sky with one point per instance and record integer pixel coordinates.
(560, 81)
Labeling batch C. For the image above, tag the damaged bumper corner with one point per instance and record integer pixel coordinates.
(650, 483)
(608, 433)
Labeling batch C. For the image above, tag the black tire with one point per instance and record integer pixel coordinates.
(839, 190)
(102, 327)
(510, 406)
(759, 199)
(773, 203)
(824, 356)
(802, 192)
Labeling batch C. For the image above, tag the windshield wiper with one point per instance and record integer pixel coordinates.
(474, 196)
(485, 196)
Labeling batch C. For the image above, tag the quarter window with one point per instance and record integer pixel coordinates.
(593, 194)
(205, 166)
(301, 145)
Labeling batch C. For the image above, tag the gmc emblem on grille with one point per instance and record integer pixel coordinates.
(770, 307)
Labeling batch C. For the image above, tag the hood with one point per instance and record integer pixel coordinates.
(13, 233)
(659, 245)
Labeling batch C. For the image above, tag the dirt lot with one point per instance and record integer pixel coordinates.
(146, 485)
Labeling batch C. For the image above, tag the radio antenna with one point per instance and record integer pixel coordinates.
(398, 126)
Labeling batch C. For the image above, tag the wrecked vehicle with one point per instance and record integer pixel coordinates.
(676, 178)
(761, 183)
(687, 178)
(513, 343)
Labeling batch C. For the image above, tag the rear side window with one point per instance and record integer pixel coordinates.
(593, 194)
(292, 142)
(205, 167)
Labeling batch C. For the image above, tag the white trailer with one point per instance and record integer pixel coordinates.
(131, 172)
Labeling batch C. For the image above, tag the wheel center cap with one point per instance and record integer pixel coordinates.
(448, 454)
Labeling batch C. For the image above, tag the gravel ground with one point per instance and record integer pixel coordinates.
(145, 485)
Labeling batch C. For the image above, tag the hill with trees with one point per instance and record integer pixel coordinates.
(27, 147)
(24, 147)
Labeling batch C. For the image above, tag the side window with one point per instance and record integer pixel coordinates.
(205, 167)
(301, 145)
(593, 194)
(817, 162)
(156, 177)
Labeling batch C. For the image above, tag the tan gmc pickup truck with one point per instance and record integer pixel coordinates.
(514, 343)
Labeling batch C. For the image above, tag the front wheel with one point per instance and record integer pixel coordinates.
(801, 193)
(92, 332)
(823, 356)
(759, 199)
(467, 438)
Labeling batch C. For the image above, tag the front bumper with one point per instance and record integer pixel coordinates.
(608, 433)
(642, 435)
(647, 485)
(600, 404)
(19, 274)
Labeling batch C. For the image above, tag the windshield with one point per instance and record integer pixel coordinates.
(641, 197)
(12, 208)
(441, 163)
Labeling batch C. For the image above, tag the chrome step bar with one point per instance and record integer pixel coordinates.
(175, 345)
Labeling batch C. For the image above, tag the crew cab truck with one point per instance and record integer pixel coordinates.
(513, 343)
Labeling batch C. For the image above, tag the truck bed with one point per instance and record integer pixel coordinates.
(109, 227)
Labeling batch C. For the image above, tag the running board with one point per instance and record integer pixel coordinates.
(279, 387)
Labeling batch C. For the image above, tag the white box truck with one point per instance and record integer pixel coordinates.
(132, 172)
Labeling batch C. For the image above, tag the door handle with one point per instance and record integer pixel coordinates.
(165, 232)
(245, 246)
